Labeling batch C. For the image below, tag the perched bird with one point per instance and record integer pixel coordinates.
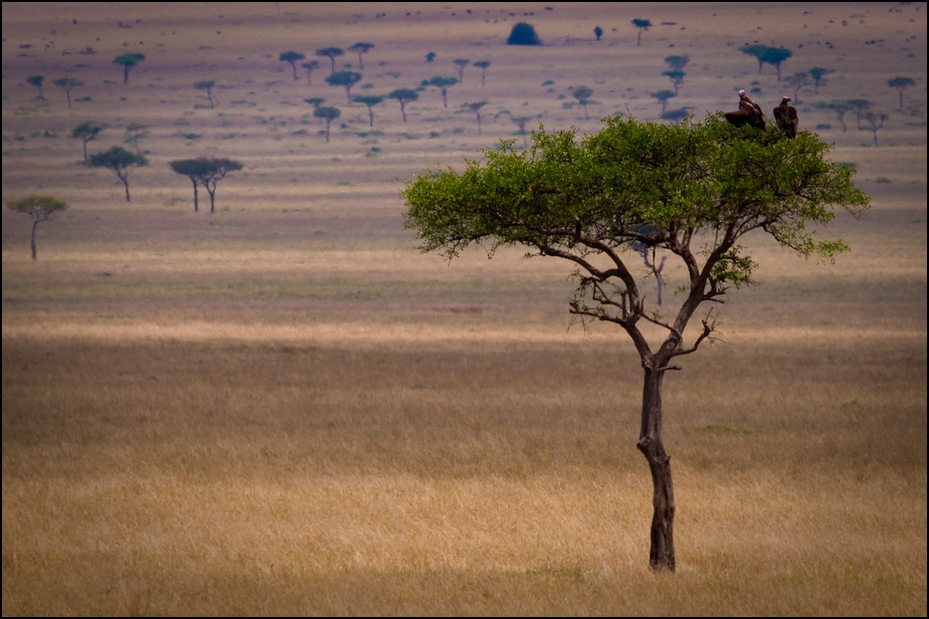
(786, 116)
(749, 113)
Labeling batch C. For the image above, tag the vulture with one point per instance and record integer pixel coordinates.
(786, 116)
(749, 113)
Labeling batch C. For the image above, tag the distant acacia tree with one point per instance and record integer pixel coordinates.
(67, 84)
(841, 108)
(40, 208)
(598, 32)
(860, 107)
(331, 53)
(796, 82)
(676, 77)
(128, 61)
(818, 74)
(523, 34)
(876, 122)
(663, 96)
(292, 58)
(345, 79)
(86, 132)
(430, 56)
(134, 133)
(310, 66)
(767, 55)
(191, 169)
(36, 80)
(328, 114)
(361, 49)
(482, 65)
(677, 63)
(901, 84)
(582, 94)
(119, 160)
(476, 108)
(214, 170)
(404, 96)
(206, 85)
(315, 101)
(443, 84)
(370, 101)
(641, 25)
(460, 64)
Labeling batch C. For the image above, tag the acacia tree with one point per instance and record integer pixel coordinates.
(370, 101)
(460, 64)
(190, 168)
(819, 77)
(582, 94)
(404, 96)
(901, 84)
(345, 79)
(767, 55)
(641, 24)
(693, 190)
(67, 84)
(476, 108)
(482, 65)
(292, 58)
(39, 208)
(86, 132)
(309, 67)
(128, 61)
(331, 53)
(119, 160)
(211, 171)
(328, 114)
(36, 80)
(206, 85)
(362, 48)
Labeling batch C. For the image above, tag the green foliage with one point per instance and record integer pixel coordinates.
(523, 34)
(39, 208)
(119, 160)
(767, 55)
(128, 61)
(292, 58)
(699, 187)
(346, 79)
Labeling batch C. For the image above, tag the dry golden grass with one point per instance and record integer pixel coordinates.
(283, 408)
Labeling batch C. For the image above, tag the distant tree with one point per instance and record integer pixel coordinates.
(859, 106)
(370, 101)
(345, 79)
(676, 77)
(430, 56)
(128, 61)
(134, 133)
(797, 81)
(39, 208)
(841, 108)
(310, 66)
(521, 123)
(361, 49)
(212, 171)
(523, 34)
(315, 101)
(328, 114)
(677, 63)
(86, 132)
(206, 85)
(482, 65)
(331, 53)
(876, 122)
(663, 96)
(460, 64)
(901, 84)
(598, 32)
(641, 25)
(191, 168)
(443, 84)
(818, 74)
(582, 94)
(36, 80)
(119, 160)
(292, 58)
(404, 96)
(68, 83)
(476, 108)
(767, 55)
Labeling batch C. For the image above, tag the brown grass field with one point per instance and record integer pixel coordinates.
(283, 408)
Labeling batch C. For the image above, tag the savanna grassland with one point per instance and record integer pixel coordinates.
(283, 408)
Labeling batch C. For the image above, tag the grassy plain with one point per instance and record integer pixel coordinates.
(283, 408)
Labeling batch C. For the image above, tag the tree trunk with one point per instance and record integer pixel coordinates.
(196, 202)
(661, 555)
(34, 224)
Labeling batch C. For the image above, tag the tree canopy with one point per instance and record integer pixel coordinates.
(119, 160)
(39, 208)
(693, 190)
(128, 61)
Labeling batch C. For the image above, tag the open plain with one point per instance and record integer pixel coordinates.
(284, 408)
